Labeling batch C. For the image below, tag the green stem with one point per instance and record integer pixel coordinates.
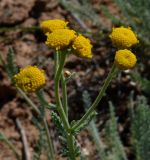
(98, 98)
(70, 143)
(58, 100)
(50, 144)
(64, 92)
(43, 101)
(34, 107)
(56, 57)
(63, 111)
(12, 147)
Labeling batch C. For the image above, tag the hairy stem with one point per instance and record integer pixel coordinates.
(97, 100)
(70, 143)
(64, 92)
(50, 144)
(58, 100)
(63, 111)
(56, 60)
(33, 106)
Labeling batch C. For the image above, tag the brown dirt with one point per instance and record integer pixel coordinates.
(30, 49)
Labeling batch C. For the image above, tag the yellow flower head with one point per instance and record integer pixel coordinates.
(51, 25)
(123, 37)
(60, 38)
(30, 79)
(82, 47)
(125, 59)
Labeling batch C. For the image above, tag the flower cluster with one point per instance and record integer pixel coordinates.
(30, 79)
(59, 37)
(51, 25)
(82, 47)
(124, 38)
(125, 59)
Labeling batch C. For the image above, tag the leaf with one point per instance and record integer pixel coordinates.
(143, 82)
(63, 136)
(44, 103)
(140, 129)
(86, 123)
(116, 147)
(10, 66)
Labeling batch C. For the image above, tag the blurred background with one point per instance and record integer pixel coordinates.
(19, 29)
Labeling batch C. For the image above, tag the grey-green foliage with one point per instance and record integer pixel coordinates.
(140, 129)
(63, 136)
(113, 149)
(108, 14)
(10, 66)
(86, 123)
(100, 146)
(43, 101)
(10, 145)
(93, 129)
(117, 150)
(1, 59)
(82, 8)
(41, 144)
(87, 102)
(142, 82)
(136, 14)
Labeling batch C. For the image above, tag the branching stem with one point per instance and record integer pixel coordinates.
(58, 100)
(70, 142)
(97, 100)
(63, 109)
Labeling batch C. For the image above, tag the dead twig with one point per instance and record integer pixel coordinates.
(24, 140)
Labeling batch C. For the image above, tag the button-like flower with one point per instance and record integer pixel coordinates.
(82, 47)
(51, 25)
(30, 79)
(125, 59)
(123, 37)
(60, 38)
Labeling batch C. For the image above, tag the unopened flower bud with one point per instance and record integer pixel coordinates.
(67, 73)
